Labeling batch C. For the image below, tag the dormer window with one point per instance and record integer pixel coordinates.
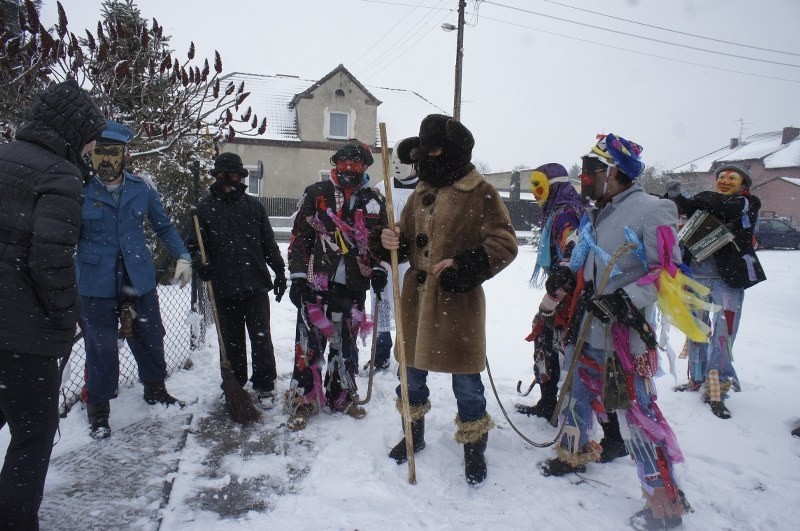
(338, 125)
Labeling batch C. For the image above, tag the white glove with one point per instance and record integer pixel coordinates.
(183, 272)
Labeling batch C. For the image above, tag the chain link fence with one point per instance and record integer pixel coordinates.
(186, 314)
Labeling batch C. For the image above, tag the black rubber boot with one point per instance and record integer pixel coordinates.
(612, 443)
(98, 420)
(156, 393)
(474, 461)
(398, 453)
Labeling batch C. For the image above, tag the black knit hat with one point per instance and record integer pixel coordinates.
(70, 112)
(354, 150)
(228, 163)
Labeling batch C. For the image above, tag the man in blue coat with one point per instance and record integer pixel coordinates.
(117, 279)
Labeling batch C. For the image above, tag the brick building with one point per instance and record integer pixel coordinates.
(773, 160)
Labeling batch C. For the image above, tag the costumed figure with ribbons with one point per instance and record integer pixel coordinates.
(619, 358)
(331, 270)
(562, 211)
(726, 272)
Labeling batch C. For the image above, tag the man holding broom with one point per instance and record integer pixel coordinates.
(456, 233)
(240, 251)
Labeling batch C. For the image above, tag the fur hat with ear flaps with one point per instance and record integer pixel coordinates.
(439, 131)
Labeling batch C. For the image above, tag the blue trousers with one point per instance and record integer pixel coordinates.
(717, 354)
(99, 323)
(467, 388)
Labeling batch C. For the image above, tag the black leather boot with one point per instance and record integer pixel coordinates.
(98, 420)
(156, 393)
(547, 403)
(612, 443)
(398, 453)
(474, 460)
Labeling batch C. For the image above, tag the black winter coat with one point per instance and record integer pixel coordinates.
(40, 215)
(239, 243)
(41, 185)
(736, 262)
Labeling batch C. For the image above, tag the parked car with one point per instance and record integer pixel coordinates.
(775, 232)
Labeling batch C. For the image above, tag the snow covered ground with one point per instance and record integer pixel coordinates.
(739, 474)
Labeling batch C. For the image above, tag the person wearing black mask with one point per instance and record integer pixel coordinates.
(331, 270)
(240, 250)
(455, 233)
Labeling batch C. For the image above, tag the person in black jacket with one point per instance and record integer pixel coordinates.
(734, 268)
(240, 244)
(331, 270)
(41, 178)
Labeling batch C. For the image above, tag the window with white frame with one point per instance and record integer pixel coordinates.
(254, 185)
(324, 175)
(338, 125)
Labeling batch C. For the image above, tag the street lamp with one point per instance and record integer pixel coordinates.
(462, 4)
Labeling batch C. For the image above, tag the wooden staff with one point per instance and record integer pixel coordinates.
(399, 344)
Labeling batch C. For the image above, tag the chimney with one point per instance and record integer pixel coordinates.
(734, 143)
(789, 134)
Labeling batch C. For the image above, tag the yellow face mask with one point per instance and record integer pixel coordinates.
(729, 182)
(540, 186)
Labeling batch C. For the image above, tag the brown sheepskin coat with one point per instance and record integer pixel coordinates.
(446, 332)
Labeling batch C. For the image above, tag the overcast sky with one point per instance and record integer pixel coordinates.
(536, 89)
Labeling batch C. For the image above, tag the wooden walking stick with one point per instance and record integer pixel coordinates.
(400, 346)
(239, 402)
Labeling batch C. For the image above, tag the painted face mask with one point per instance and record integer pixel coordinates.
(108, 160)
(590, 169)
(729, 182)
(540, 186)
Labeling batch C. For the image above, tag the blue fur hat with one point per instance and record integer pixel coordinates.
(116, 133)
(626, 155)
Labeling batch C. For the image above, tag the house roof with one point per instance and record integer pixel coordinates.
(793, 180)
(307, 93)
(272, 97)
(762, 146)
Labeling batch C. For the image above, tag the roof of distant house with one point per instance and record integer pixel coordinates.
(794, 180)
(271, 97)
(761, 146)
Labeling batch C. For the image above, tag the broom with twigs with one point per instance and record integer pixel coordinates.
(240, 403)
(400, 348)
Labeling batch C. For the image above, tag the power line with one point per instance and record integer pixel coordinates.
(369, 49)
(638, 52)
(561, 19)
(671, 30)
(396, 45)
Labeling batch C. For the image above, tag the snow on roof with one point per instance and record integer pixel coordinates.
(762, 146)
(794, 180)
(271, 95)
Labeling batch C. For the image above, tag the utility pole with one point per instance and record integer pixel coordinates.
(462, 4)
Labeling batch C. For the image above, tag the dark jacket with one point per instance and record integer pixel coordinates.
(737, 263)
(314, 231)
(239, 243)
(40, 214)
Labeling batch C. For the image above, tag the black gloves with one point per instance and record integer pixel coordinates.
(299, 291)
(279, 285)
(205, 271)
(559, 278)
(471, 268)
(379, 280)
(611, 307)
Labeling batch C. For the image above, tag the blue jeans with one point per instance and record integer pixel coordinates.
(467, 388)
(717, 354)
(384, 347)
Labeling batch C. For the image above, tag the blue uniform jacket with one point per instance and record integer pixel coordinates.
(109, 233)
